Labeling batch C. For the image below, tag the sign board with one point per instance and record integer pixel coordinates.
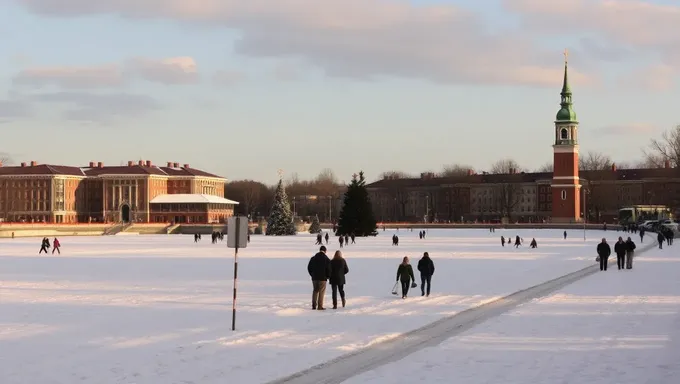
(237, 232)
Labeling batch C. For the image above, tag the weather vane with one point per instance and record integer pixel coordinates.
(566, 55)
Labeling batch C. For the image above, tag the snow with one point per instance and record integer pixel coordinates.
(157, 309)
(611, 327)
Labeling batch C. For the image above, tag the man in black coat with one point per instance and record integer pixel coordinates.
(620, 250)
(426, 269)
(603, 251)
(319, 269)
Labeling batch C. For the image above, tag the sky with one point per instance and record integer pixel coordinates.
(245, 88)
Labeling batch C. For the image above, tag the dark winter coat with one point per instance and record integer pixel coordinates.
(660, 238)
(620, 248)
(338, 271)
(319, 267)
(426, 266)
(405, 272)
(604, 250)
(630, 245)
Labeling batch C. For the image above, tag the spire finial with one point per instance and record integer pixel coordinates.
(280, 172)
(566, 56)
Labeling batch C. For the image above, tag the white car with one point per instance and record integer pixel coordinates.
(672, 224)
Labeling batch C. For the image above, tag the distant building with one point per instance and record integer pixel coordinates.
(565, 195)
(138, 192)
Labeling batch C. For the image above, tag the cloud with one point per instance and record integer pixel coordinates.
(102, 108)
(628, 129)
(227, 78)
(175, 70)
(13, 109)
(356, 38)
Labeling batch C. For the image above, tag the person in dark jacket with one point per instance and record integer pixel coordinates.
(630, 252)
(642, 235)
(620, 250)
(326, 237)
(533, 243)
(338, 271)
(45, 244)
(426, 269)
(603, 252)
(518, 241)
(502, 241)
(319, 269)
(405, 275)
(660, 238)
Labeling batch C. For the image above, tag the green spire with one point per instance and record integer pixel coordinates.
(566, 113)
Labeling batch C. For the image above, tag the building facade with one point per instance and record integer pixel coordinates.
(566, 195)
(134, 192)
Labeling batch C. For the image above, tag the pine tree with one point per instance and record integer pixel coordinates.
(280, 221)
(316, 226)
(356, 216)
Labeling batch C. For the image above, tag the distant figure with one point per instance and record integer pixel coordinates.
(660, 238)
(341, 240)
(503, 241)
(55, 246)
(326, 237)
(353, 237)
(518, 241)
(405, 275)
(319, 238)
(620, 250)
(642, 235)
(346, 239)
(603, 252)
(426, 269)
(395, 240)
(533, 243)
(44, 245)
(630, 253)
(319, 269)
(565, 235)
(424, 233)
(420, 235)
(338, 271)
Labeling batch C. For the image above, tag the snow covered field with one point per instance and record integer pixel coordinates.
(612, 327)
(157, 309)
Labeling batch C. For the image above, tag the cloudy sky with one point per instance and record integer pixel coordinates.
(243, 88)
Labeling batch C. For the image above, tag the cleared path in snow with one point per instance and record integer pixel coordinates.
(344, 367)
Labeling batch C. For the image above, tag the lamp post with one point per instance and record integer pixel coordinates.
(585, 212)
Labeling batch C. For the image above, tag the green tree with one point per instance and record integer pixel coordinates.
(316, 226)
(356, 216)
(280, 221)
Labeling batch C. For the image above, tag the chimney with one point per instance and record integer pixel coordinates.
(33, 163)
(131, 163)
(169, 164)
(175, 165)
(613, 167)
(100, 165)
(91, 164)
(140, 163)
(23, 165)
(186, 166)
(470, 172)
(667, 164)
(0, 163)
(148, 163)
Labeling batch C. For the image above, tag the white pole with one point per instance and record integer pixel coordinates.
(585, 214)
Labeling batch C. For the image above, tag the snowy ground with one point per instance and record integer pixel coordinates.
(157, 309)
(612, 327)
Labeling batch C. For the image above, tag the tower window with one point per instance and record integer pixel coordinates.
(564, 195)
(564, 134)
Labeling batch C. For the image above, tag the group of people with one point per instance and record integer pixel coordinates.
(45, 245)
(625, 252)
(324, 270)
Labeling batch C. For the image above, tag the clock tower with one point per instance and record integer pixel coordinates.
(565, 185)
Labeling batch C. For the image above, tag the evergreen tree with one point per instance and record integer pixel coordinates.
(316, 226)
(356, 216)
(280, 221)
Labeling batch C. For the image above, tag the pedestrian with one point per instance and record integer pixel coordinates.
(630, 253)
(660, 238)
(642, 235)
(319, 269)
(533, 243)
(603, 252)
(44, 245)
(405, 275)
(426, 269)
(326, 237)
(56, 245)
(338, 271)
(518, 242)
(565, 235)
(620, 250)
(341, 240)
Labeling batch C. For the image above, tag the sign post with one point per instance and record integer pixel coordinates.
(237, 237)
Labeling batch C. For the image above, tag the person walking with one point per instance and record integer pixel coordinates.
(426, 269)
(319, 269)
(660, 238)
(620, 250)
(338, 271)
(642, 235)
(630, 253)
(45, 244)
(603, 252)
(405, 275)
(56, 245)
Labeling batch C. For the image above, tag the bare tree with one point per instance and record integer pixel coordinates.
(594, 161)
(506, 166)
(508, 196)
(547, 167)
(5, 158)
(455, 170)
(665, 149)
(395, 175)
(252, 196)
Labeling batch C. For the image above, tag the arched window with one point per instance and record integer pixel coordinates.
(564, 134)
(564, 194)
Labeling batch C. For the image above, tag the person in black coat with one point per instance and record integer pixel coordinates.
(660, 238)
(405, 275)
(426, 269)
(620, 250)
(319, 269)
(338, 271)
(630, 253)
(603, 252)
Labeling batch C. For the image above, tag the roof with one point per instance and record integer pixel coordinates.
(186, 198)
(185, 171)
(125, 170)
(41, 169)
(135, 169)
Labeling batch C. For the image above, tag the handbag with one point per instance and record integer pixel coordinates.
(394, 289)
(414, 285)
(597, 259)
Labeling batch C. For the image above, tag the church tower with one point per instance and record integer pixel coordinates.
(565, 185)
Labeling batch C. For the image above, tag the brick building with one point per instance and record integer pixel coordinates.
(136, 192)
(565, 195)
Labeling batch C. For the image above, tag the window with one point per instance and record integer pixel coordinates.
(564, 134)
(564, 195)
